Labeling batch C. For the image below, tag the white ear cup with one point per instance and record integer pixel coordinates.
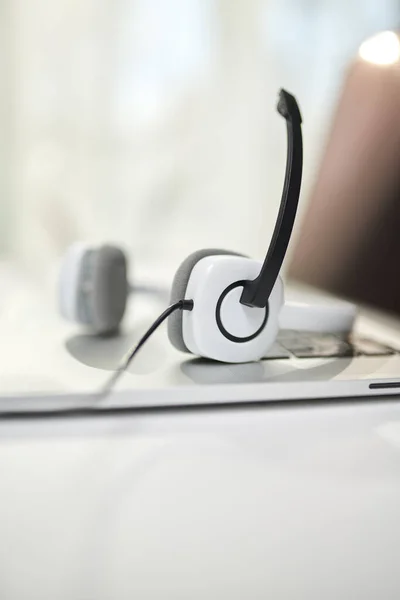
(94, 287)
(69, 281)
(178, 292)
(219, 326)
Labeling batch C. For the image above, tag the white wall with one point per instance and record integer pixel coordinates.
(152, 123)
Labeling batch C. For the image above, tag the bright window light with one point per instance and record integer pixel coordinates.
(381, 49)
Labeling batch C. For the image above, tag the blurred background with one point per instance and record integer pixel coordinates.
(152, 123)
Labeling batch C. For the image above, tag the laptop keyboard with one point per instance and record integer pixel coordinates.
(324, 345)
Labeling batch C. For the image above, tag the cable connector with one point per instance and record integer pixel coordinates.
(186, 304)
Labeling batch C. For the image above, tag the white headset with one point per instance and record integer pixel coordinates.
(232, 303)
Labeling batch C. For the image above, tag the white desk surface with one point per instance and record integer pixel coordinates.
(283, 502)
(289, 501)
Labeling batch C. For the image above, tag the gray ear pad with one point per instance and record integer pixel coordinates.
(178, 291)
(104, 289)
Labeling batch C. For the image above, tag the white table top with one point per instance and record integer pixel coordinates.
(280, 501)
(283, 501)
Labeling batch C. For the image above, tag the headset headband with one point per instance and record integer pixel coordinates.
(257, 291)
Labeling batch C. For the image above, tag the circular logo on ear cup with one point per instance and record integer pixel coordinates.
(237, 322)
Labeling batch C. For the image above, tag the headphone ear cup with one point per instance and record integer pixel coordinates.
(70, 280)
(94, 287)
(109, 289)
(178, 291)
(220, 327)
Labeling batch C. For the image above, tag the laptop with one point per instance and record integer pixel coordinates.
(49, 366)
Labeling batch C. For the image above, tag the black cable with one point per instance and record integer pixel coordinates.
(181, 305)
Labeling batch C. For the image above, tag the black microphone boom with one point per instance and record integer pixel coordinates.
(257, 291)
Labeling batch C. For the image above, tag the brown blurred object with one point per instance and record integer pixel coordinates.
(350, 239)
